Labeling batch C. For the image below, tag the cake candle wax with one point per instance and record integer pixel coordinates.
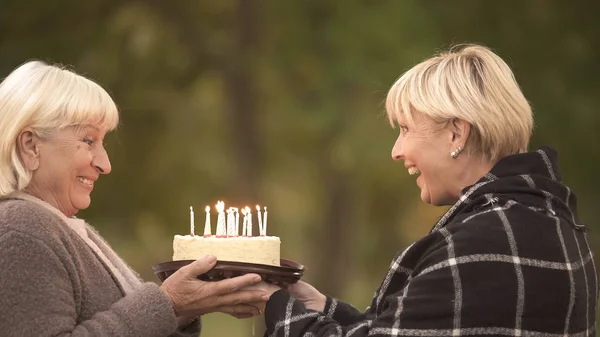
(265, 221)
(260, 222)
(236, 224)
(191, 221)
(221, 230)
(207, 229)
(249, 224)
(244, 222)
(230, 223)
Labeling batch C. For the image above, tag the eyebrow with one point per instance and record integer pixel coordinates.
(87, 127)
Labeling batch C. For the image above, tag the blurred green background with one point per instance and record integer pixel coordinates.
(281, 103)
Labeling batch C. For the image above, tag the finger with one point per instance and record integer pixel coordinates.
(260, 306)
(200, 266)
(237, 298)
(231, 285)
(242, 316)
(297, 286)
(239, 310)
(260, 286)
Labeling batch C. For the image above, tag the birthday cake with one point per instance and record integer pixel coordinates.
(229, 244)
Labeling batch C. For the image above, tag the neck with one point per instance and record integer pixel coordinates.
(472, 170)
(48, 198)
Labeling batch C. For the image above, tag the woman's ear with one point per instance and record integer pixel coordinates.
(28, 147)
(460, 132)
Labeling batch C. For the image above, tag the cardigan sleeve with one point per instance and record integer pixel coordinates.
(37, 298)
(191, 330)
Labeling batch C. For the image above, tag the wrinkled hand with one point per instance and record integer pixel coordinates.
(302, 291)
(308, 295)
(258, 308)
(191, 297)
(265, 288)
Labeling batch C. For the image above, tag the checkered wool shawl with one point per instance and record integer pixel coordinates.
(510, 258)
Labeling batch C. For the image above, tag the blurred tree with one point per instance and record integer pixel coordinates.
(280, 103)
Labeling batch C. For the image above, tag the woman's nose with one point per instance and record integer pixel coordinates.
(397, 151)
(101, 162)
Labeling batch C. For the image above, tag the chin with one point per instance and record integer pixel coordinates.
(82, 202)
(435, 200)
(426, 197)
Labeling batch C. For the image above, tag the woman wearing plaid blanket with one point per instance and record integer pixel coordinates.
(509, 258)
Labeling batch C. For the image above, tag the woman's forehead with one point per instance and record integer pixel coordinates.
(415, 118)
(88, 127)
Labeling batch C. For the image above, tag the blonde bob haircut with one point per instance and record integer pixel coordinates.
(45, 98)
(469, 83)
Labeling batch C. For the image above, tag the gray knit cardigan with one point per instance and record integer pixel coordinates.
(53, 284)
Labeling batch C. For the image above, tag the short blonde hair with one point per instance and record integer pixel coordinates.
(470, 83)
(45, 98)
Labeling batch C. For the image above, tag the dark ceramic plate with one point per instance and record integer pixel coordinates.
(288, 273)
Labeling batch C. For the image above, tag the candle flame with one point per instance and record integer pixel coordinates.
(257, 208)
(248, 209)
(265, 208)
(207, 209)
(244, 211)
(220, 206)
(191, 209)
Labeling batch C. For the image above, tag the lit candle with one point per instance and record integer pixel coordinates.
(227, 222)
(221, 230)
(236, 224)
(265, 221)
(244, 222)
(230, 222)
(207, 229)
(191, 221)
(249, 224)
(260, 222)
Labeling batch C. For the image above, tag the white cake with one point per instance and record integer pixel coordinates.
(257, 249)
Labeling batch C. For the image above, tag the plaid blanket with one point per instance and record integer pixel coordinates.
(510, 258)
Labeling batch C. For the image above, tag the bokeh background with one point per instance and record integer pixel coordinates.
(280, 103)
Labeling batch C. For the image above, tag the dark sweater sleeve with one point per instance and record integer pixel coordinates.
(37, 298)
(286, 316)
(426, 304)
(342, 312)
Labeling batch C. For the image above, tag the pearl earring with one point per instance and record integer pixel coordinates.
(456, 152)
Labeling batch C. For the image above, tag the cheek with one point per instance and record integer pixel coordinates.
(412, 148)
(82, 159)
(67, 157)
(433, 165)
(438, 181)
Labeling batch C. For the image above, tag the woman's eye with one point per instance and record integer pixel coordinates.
(88, 140)
(403, 129)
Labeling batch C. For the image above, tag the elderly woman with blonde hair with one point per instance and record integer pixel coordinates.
(59, 276)
(509, 257)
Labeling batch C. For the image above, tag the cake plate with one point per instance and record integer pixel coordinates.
(289, 272)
